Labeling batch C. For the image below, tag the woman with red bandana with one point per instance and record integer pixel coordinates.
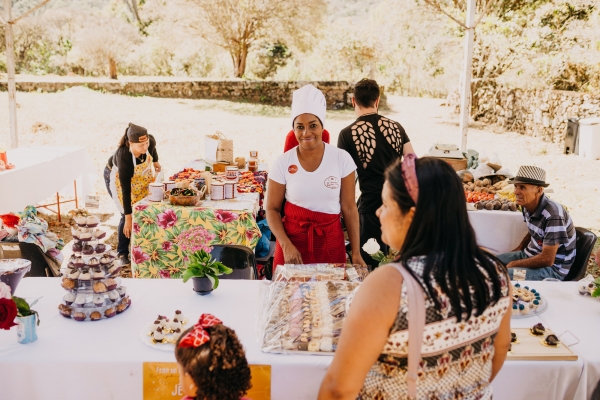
(317, 182)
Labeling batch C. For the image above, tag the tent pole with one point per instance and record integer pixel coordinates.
(10, 67)
(465, 95)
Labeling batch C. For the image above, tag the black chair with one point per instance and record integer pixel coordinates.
(584, 243)
(239, 258)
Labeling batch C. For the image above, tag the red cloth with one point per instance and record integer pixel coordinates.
(291, 142)
(317, 236)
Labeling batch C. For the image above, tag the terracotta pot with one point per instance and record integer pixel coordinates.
(202, 286)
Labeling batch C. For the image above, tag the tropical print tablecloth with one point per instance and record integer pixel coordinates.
(156, 227)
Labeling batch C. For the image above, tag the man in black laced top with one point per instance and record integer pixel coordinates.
(374, 142)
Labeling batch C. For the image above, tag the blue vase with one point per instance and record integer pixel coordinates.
(26, 329)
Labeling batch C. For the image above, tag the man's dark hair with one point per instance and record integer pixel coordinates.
(366, 92)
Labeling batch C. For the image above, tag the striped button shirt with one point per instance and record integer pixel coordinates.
(550, 225)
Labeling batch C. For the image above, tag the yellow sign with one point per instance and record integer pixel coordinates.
(161, 381)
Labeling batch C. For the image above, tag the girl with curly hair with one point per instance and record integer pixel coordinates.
(212, 363)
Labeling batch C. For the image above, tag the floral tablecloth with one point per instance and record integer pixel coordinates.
(156, 227)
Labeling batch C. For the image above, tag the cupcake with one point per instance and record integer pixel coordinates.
(65, 311)
(68, 284)
(113, 254)
(327, 345)
(85, 236)
(77, 247)
(93, 262)
(104, 260)
(114, 270)
(98, 300)
(122, 290)
(92, 221)
(95, 316)
(73, 274)
(110, 312)
(100, 248)
(81, 221)
(78, 262)
(179, 315)
(552, 340)
(175, 324)
(100, 287)
(158, 335)
(99, 234)
(314, 345)
(538, 329)
(87, 250)
(110, 283)
(75, 232)
(121, 307)
(80, 300)
(113, 295)
(535, 304)
(98, 274)
(513, 337)
(176, 333)
(523, 309)
(69, 298)
(85, 275)
(79, 316)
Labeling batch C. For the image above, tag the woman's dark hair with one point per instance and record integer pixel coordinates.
(366, 92)
(219, 367)
(441, 231)
(124, 142)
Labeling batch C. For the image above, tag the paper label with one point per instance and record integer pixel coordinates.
(161, 381)
(92, 201)
(519, 274)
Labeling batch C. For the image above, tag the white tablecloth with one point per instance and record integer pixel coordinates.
(498, 231)
(102, 360)
(41, 171)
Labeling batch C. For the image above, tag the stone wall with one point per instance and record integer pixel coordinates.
(337, 93)
(541, 113)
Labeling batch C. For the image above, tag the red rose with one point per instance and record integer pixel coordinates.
(8, 313)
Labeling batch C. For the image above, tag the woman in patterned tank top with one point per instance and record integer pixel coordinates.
(467, 328)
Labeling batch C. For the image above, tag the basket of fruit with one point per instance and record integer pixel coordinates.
(185, 196)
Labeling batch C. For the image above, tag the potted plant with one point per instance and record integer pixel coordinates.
(372, 248)
(202, 268)
(12, 307)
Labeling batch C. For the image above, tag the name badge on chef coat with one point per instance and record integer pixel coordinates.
(161, 381)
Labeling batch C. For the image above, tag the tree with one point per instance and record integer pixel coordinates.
(237, 25)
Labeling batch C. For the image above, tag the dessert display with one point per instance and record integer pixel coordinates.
(320, 272)
(591, 288)
(538, 343)
(303, 316)
(527, 302)
(248, 181)
(164, 330)
(91, 277)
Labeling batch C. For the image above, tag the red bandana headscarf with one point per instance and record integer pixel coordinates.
(198, 335)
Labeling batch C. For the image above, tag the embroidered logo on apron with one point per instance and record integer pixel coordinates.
(332, 182)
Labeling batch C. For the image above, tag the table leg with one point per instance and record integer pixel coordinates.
(58, 206)
(76, 199)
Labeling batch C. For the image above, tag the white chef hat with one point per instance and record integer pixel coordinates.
(308, 100)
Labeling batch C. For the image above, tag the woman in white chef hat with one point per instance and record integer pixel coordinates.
(317, 181)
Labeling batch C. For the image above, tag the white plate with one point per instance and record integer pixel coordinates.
(146, 338)
(542, 307)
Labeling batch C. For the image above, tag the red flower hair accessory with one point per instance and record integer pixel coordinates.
(198, 336)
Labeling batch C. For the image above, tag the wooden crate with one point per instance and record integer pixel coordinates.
(458, 164)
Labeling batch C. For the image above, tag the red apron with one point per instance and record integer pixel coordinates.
(318, 236)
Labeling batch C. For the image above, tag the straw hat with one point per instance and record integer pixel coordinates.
(531, 175)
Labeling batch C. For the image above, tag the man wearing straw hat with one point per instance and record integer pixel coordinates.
(548, 250)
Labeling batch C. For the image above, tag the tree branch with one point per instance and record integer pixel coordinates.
(14, 21)
(440, 9)
(483, 12)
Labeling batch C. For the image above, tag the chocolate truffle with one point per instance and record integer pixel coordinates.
(95, 316)
(100, 287)
(538, 329)
(79, 316)
(110, 312)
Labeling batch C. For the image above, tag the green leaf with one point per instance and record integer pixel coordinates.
(596, 293)
(22, 307)
(214, 280)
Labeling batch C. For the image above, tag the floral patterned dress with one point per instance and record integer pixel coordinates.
(457, 357)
